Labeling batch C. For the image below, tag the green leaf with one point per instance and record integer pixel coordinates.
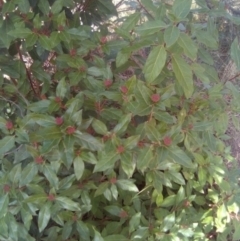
(181, 8)
(83, 230)
(45, 42)
(61, 88)
(20, 32)
(131, 21)
(114, 210)
(89, 142)
(169, 201)
(127, 185)
(155, 63)
(97, 236)
(57, 6)
(151, 27)
(44, 216)
(183, 75)
(6, 144)
(122, 58)
(38, 198)
(116, 237)
(189, 47)
(50, 175)
(164, 117)
(131, 142)
(175, 177)
(68, 204)
(106, 161)
(171, 35)
(127, 163)
(6, 27)
(78, 167)
(48, 133)
(28, 173)
(24, 6)
(99, 127)
(122, 125)
(134, 222)
(43, 5)
(180, 157)
(145, 156)
(4, 201)
(235, 52)
(168, 222)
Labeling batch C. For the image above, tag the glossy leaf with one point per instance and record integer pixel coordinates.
(127, 185)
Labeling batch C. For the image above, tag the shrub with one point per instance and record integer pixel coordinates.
(114, 140)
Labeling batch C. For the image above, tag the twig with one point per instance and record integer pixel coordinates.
(145, 9)
(137, 62)
(27, 71)
(12, 151)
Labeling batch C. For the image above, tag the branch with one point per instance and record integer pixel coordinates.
(27, 71)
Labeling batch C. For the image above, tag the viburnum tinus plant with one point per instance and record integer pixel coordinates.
(117, 138)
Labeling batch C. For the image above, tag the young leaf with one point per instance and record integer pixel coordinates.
(28, 173)
(134, 222)
(155, 63)
(183, 75)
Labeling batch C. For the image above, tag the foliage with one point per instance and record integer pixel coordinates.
(114, 140)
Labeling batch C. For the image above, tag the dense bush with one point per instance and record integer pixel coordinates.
(117, 138)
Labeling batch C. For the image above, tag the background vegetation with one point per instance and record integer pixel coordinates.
(114, 119)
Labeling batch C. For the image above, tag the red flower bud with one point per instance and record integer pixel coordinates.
(124, 89)
(51, 197)
(70, 130)
(120, 149)
(58, 99)
(39, 160)
(103, 40)
(167, 141)
(59, 121)
(9, 125)
(6, 188)
(155, 98)
(107, 83)
(113, 180)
